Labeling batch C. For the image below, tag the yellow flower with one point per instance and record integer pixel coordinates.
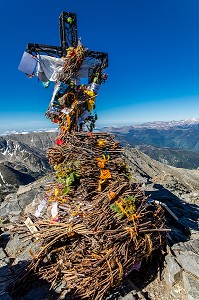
(56, 192)
(90, 93)
(90, 104)
(101, 143)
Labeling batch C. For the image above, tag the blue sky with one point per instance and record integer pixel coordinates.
(153, 51)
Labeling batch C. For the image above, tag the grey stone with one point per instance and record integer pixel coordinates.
(113, 296)
(4, 262)
(189, 262)
(191, 285)
(12, 246)
(25, 254)
(190, 297)
(3, 204)
(2, 254)
(4, 211)
(195, 245)
(11, 197)
(194, 234)
(24, 189)
(172, 271)
(60, 287)
(7, 260)
(14, 219)
(26, 198)
(191, 245)
(177, 291)
(14, 208)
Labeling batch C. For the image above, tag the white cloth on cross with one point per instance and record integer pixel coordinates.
(49, 66)
(86, 66)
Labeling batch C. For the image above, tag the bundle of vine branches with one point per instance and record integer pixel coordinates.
(73, 61)
(106, 225)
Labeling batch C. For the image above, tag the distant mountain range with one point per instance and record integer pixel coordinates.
(176, 135)
(158, 124)
(163, 140)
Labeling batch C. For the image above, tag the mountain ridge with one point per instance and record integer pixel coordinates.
(178, 158)
(160, 124)
(23, 159)
(148, 170)
(176, 135)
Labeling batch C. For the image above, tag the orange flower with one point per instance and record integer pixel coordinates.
(105, 174)
(134, 217)
(111, 195)
(90, 134)
(101, 162)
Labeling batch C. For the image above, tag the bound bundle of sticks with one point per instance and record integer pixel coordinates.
(103, 226)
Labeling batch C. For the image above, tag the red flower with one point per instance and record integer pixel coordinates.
(73, 53)
(59, 142)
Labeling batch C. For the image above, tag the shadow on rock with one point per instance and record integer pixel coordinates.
(32, 289)
(4, 238)
(186, 213)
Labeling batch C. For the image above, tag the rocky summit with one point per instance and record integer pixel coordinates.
(23, 159)
(173, 274)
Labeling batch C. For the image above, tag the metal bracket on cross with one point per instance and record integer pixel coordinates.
(68, 38)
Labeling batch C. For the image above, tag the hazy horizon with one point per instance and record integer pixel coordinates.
(47, 125)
